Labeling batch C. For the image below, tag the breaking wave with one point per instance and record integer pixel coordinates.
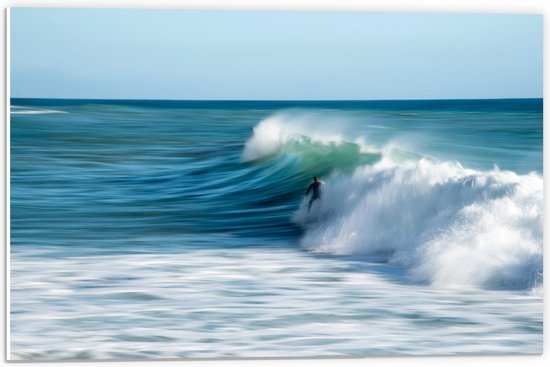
(446, 224)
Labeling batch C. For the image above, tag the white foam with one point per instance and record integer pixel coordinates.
(249, 302)
(448, 225)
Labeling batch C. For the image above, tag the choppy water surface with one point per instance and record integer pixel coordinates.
(179, 229)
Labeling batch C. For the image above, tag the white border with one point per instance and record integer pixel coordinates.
(7, 183)
(454, 6)
(464, 6)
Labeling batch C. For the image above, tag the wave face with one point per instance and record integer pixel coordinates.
(447, 225)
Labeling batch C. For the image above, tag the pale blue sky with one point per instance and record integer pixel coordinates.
(183, 54)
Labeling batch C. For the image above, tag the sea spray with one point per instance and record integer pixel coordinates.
(448, 225)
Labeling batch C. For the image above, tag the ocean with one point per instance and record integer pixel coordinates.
(180, 229)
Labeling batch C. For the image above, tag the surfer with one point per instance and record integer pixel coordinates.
(316, 187)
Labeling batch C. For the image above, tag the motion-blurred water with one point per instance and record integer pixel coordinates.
(165, 229)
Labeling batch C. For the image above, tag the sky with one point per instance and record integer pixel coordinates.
(262, 55)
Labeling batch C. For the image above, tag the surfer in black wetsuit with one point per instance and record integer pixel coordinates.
(316, 187)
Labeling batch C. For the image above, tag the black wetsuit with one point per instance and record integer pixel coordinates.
(316, 186)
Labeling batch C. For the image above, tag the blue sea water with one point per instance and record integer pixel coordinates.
(179, 229)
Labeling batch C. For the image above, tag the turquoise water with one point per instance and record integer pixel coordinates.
(167, 229)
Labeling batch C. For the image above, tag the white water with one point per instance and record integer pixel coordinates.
(251, 302)
(448, 225)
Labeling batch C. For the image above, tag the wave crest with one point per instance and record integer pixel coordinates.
(275, 132)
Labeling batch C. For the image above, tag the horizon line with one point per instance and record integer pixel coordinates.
(276, 100)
